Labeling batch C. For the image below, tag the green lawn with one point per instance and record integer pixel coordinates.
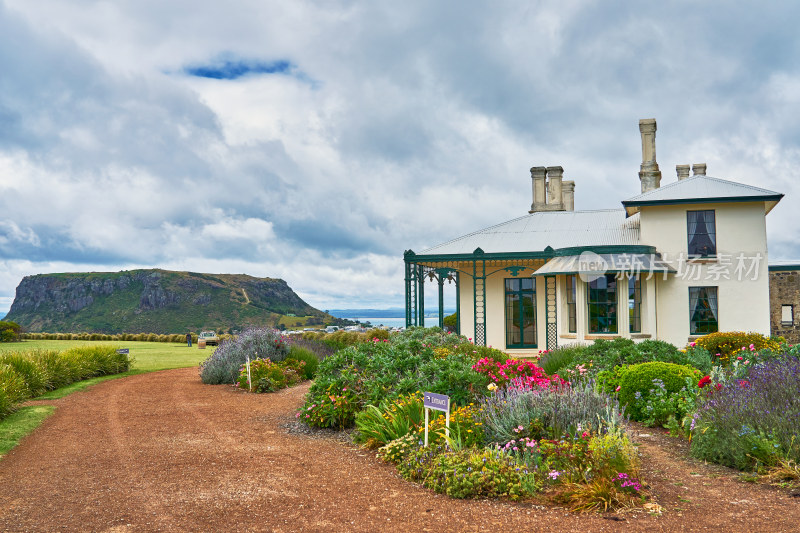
(147, 357)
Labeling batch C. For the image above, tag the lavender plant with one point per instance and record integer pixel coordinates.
(258, 343)
(513, 413)
(752, 421)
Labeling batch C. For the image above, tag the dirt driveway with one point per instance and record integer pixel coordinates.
(162, 452)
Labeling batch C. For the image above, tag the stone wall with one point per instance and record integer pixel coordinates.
(784, 289)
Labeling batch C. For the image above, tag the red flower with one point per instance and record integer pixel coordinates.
(705, 380)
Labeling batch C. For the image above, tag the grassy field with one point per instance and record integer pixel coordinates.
(147, 356)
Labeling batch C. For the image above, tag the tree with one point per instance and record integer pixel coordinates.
(9, 331)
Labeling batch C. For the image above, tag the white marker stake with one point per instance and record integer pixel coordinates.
(426, 427)
(249, 383)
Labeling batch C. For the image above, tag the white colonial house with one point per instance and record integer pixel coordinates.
(673, 263)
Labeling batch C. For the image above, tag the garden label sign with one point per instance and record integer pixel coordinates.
(125, 351)
(437, 402)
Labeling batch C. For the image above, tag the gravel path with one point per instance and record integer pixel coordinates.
(162, 452)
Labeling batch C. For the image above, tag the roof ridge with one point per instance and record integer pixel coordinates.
(660, 191)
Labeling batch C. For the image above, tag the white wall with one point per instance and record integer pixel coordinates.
(740, 229)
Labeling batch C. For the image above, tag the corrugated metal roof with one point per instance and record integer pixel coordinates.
(699, 189)
(557, 229)
(589, 263)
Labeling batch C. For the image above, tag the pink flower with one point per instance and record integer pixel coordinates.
(617, 389)
(740, 358)
(692, 344)
(752, 348)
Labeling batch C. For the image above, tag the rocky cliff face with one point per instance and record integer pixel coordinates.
(157, 301)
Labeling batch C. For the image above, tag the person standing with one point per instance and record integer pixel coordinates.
(189, 339)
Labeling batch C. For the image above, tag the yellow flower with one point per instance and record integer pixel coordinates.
(492, 386)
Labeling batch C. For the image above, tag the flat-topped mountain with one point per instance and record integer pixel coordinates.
(152, 301)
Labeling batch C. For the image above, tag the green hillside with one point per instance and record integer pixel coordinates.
(157, 301)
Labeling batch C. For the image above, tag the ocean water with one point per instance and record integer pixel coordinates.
(430, 321)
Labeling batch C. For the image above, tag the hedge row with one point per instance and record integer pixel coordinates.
(25, 375)
(143, 337)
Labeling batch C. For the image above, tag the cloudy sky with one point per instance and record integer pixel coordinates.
(315, 141)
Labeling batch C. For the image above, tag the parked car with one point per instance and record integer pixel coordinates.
(209, 336)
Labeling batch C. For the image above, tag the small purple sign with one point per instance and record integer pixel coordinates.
(439, 402)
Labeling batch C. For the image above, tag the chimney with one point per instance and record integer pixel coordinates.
(539, 199)
(568, 188)
(550, 191)
(683, 171)
(554, 189)
(699, 169)
(649, 174)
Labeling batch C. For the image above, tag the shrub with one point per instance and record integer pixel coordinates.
(60, 373)
(9, 331)
(377, 426)
(320, 349)
(397, 450)
(479, 352)
(561, 358)
(369, 373)
(90, 361)
(525, 373)
(466, 426)
(266, 376)
(604, 355)
(612, 453)
(28, 374)
(309, 358)
(35, 379)
(451, 321)
(342, 339)
(257, 343)
(723, 344)
(662, 408)
(752, 421)
(636, 381)
(468, 473)
(12, 390)
(547, 413)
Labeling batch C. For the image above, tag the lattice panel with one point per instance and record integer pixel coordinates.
(552, 332)
(552, 313)
(480, 335)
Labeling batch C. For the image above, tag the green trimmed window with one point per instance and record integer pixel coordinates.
(572, 311)
(635, 304)
(703, 310)
(520, 313)
(701, 233)
(602, 304)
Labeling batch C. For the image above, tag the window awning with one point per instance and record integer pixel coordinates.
(589, 263)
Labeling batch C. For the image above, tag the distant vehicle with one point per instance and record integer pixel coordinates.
(331, 329)
(210, 337)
